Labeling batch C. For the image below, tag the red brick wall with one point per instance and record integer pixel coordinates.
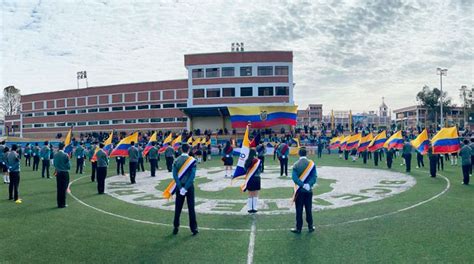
(168, 95)
(271, 79)
(116, 98)
(241, 100)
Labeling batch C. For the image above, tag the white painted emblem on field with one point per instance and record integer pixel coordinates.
(350, 186)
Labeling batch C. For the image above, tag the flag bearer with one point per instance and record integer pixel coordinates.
(133, 161)
(253, 181)
(407, 148)
(390, 154)
(62, 166)
(304, 176)
(433, 158)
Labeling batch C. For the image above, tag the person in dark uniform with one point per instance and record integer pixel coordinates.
(304, 195)
(320, 147)
(12, 162)
(228, 159)
(120, 162)
(169, 156)
(364, 156)
(90, 154)
(45, 155)
(407, 149)
(390, 154)
(62, 166)
(420, 163)
(140, 166)
(102, 164)
(465, 154)
(433, 158)
(204, 153)
(346, 154)
(253, 184)
(261, 150)
(79, 153)
(282, 153)
(440, 162)
(3, 162)
(376, 157)
(153, 158)
(133, 161)
(275, 150)
(185, 189)
(472, 154)
(36, 157)
(27, 155)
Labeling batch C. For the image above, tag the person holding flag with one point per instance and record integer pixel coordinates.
(433, 158)
(91, 155)
(421, 145)
(407, 149)
(149, 146)
(184, 172)
(169, 156)
(252, 182)
(62, 165)
(304, 176)
(121, 151)
(79, 153)
(228, 159)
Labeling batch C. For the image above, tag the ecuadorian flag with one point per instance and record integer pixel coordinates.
(176, 142)
(149, 145)
(107, 147)
(335, 142)
(68, 143)
(446, 141)
(262, 116)
(353, 141)
(166, 142)
(364, 142)
(378, 142)
(244, 153)
(421, 143)
(344, 142)
(395, 141)
(121, 150)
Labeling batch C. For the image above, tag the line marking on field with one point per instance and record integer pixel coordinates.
(253, 233)
(448, 185)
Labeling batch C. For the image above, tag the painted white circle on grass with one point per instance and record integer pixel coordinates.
(344, 187)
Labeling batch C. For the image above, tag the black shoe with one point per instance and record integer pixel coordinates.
(175, 231)
(195, 232)
(296, 231)
(311, 229)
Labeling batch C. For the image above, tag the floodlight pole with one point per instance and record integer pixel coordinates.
(441, 72)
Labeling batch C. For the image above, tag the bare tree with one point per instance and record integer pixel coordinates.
(11, 101)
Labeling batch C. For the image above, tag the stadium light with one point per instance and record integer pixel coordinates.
(441, 72)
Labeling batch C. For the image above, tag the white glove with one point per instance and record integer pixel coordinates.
(306, 187)
(182, 191)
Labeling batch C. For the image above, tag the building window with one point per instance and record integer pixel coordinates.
(198, 73)
(92, 110)
(213, 92)
(28, 126)
(61, 112)
(130, 121)
(81, 111)
(246, 71)
(281, 70)
(28, 115)
(50, 125)
(117, 108)
(155, 106)
(143, 107)
(168, 105)
(71, 124)
(39, 114)
(212, 72)
(92, 123)
(71, 112)
(130, 107)
(143, 120)
(246, 91)
(115, 122)
(60, 124)
(155, 120)
(168, 119)
(104, 122)
(198, 93)
(104, 109)
(181, 105)
(265, 70)
(50, 113)
(181, 119)
(228, 71)
(282, 90)
(38, 125)
(228, 92)
(265, 91)
(81, 123)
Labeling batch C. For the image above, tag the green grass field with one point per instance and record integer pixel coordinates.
(438, 231)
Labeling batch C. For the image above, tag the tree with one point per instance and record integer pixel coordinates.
(11, 101)
(466, 96)
(430, 100)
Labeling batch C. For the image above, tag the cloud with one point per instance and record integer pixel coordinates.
(347, 54)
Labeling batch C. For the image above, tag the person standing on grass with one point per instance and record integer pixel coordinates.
(36, 156)
(420, 163)
(79, 153)
(62, 165)
(13, 166)
(27, 155)
(169, 156)
(465, 154)
(407, 149)
(90, 154)
(282, 154)
(253, 181)
(120, 162)
(140, 166)
(184, 172)
(153, 158)
(390, 154)
(3, 163)
(433, 158)
(133, 162)
(304, 176)
(102, 164)
(261, 150)
(45, 155)
(472, 155)
(228, 159)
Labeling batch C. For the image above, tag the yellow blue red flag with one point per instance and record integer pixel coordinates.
(262, 116)
(421, 143)
(335, 142)
(395, 141)
(244, 153)
(353, 141)
(166, 142)
(378, 141)
(446, 141)
(149, 145)
(176, 142)
(364, 142)
(68, 142)
(121, 150)
(107, 147)
(344, 142)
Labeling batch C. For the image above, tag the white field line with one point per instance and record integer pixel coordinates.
(253, 233)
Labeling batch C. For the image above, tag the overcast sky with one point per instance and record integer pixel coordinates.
(347, 54)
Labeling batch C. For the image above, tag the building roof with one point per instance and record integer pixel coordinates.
(238, 57)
